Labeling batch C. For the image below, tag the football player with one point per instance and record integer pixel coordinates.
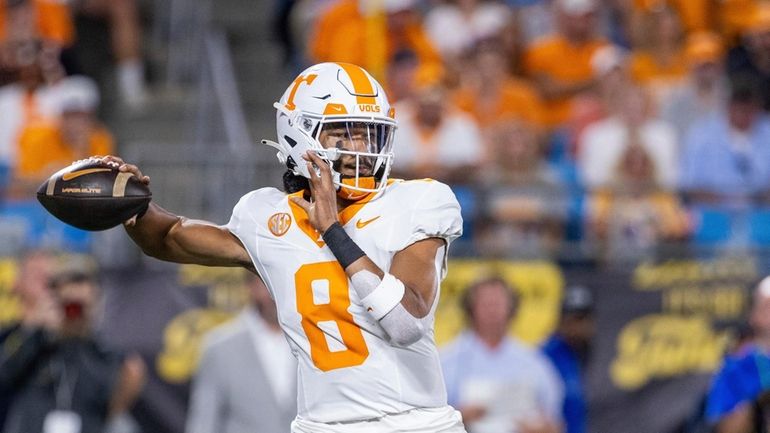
(353, 259)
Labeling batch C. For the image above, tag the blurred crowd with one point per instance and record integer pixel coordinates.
(55, 58)
(611, 126)
(57, 374)
(611, 129)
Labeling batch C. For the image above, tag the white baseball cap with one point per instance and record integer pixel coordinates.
(389, 6)
(608, 58)
(576, 7)
(79, 93)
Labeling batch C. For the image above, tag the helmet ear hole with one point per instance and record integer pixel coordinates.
(292, 142)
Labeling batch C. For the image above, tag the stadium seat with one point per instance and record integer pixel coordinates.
(759, 225)
(466, 196)
(713, 225)
(40, 229)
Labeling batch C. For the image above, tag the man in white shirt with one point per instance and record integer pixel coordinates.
(603, 144)
(434, 138)
(494, 380)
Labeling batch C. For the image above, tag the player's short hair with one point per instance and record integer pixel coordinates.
(468, 299)
(16, 3)
(745, 88)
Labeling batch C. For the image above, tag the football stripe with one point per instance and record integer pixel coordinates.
(119, 187)
(51, 186)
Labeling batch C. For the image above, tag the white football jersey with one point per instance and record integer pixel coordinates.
(347, 368)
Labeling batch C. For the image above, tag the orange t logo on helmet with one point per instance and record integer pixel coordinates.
(297, 82)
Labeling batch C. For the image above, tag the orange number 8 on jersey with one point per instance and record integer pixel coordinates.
(336, 311)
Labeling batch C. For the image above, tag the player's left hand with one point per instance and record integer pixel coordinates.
(322, 209)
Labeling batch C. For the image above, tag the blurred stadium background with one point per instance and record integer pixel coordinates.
(623, 145)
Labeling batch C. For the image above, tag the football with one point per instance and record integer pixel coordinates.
(91, 195)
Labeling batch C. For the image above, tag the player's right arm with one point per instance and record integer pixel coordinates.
(165, 236)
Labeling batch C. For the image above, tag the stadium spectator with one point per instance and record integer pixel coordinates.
(738, 400)
(435, 139)
(405, 77)
(697, 422)
(706, 89)
(560, 63)
(35, 268)
(569, 349)
(525, 202)
(752, 56)
(726, 157)
(125, 36)
(695, 15)
(610, 64)
(659, 65)
(45, 147)
(246, 379)
(49, 20)
(498, 383)
(356, 32)
(62, 376)
(632, 213)
(533, 18)
(603, 144)
(470, 21)
(402, 76)
(33, 98)
(281, 26)
(734, 17)
(491, 94)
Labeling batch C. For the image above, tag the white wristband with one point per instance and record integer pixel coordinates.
(385, 297)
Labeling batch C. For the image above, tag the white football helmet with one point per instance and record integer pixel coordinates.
(344, 106)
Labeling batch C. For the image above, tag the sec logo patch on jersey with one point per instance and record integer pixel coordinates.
(279, 223)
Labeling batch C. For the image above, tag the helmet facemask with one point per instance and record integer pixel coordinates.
(359, 152)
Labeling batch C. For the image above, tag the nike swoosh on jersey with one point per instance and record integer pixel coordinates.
(74, 174)
(361, 224)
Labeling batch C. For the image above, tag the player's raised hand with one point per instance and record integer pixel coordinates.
(322, 209)
(44, 313)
